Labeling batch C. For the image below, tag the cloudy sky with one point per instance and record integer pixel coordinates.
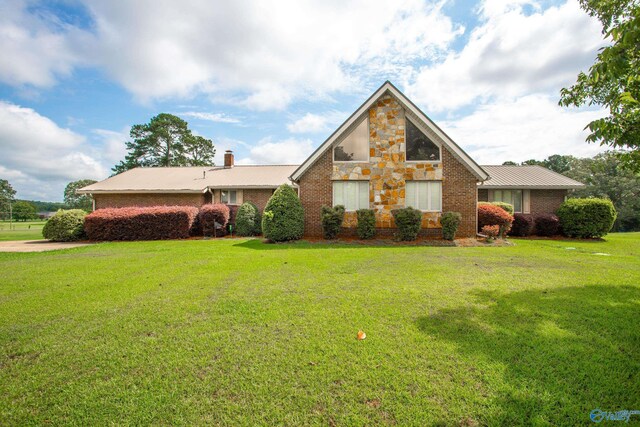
(271, 80)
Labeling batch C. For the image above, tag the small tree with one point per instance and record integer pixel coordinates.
(24, 211)
(489, 214)
(332, 221)
(283, 217)
(7, 194)
(248, 222)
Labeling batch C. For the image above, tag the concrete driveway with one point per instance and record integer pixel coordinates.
(37, 245)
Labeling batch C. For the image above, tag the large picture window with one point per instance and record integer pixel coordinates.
(355, 147)
(424, 195)
(513, 197)
(419, 146)
(353, 195)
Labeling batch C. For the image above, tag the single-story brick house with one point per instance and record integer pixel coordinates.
(387, 155)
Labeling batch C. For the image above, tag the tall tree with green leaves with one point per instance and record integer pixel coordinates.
(165, 141)
(24, 211)
(73, 200)
(613, 81)
(7, 194)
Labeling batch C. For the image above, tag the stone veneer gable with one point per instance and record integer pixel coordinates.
(387, 172)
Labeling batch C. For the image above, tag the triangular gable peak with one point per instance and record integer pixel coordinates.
(426, 125)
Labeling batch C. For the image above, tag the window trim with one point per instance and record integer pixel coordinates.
(429, 191)
(406, 159)
(333, 193)
(368, 159)
(491, 195)
(228, 191)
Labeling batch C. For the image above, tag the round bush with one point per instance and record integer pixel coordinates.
(490, 214)
(546, 224)
(332, 221)
(366, 227)
(213, 219)
(283, 217)
(65, 226)
(522, 225)
(505, 206)
(587, 218)
(450, 222)
(408, 221)
(248, 222)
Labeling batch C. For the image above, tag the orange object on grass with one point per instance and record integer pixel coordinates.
(361, 335)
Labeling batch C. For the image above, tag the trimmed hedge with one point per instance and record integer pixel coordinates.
(332, 218)
(283, 217)
(366, 228)
(450, 222)
(149, 223)
(546, 224)
(408, 221)
(523, 225)
(505, 206)
(248, 222)
(587, 218)
(214, 218)
(491, 231)
(65, 226)
(490, 214)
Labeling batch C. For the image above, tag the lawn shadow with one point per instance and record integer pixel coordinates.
(263, 245)
(562, 352)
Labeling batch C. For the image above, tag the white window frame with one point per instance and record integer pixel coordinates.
(333, 154)
(228, 202)
(406, 204)
(406, 145)
(358, 188)
(492, 198)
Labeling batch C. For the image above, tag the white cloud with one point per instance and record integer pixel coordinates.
(36, 48)
(290, 151)
(211, 117)
(511, 54)
(531, 127)
(41, 156)
(313, 123)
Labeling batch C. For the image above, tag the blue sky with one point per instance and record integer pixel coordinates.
(271, 80)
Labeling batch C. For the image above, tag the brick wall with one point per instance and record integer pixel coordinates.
(387, 173)
(546, 200)
(459, 187)
(258, 197)
(131, 199)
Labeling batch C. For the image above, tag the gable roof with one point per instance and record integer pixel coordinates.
(405, 102)
(192, 179)
(532, 177)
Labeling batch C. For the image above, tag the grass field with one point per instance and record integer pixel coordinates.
(29, 230)
(237, 332)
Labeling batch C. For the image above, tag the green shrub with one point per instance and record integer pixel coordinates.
(248, 221)
(450, 222)
(332, 221)
(508, 208)
(283, 217)
(366, 227)
(65, 226)
(586, 218)
(408, 221)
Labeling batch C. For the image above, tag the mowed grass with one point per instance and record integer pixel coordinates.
(29, 230)
(237, 332)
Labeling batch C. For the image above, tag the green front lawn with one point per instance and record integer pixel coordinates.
(237, 332)
(29, 230)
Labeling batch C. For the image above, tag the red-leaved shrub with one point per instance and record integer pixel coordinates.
(148, 223)
(491, 231)
(214, 218)
(547, 224)
(522, 226)
(494, 215)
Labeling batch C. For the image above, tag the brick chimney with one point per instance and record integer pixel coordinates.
(228, 159)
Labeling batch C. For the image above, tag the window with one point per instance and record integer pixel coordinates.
(355, 147)
(229, 197)
(424, 195)
(513, 197)
(353, 195)
(419, 146)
